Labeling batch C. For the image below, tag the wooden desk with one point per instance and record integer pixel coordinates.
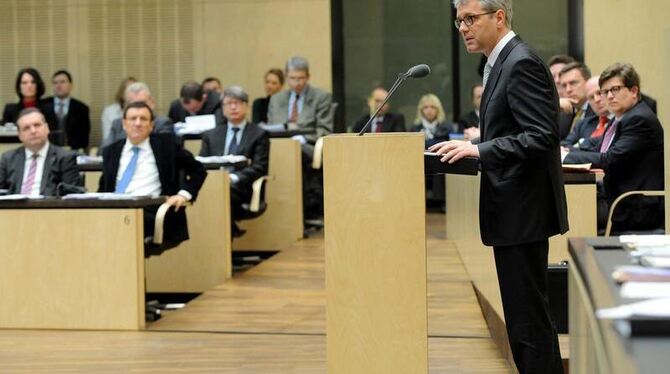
(67, 264)
(8, 141)
(463, 227)
(595, 345)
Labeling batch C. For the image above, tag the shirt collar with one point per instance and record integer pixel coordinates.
(58, 100)
(144, 145)
(42, 152)
(241, 126)
(499, 47)
(302, 94)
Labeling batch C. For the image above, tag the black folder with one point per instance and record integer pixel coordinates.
(432, 165)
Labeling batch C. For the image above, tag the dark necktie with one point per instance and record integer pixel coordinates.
(607, 138)
(232, 147)
(294, 110)
(379, 124)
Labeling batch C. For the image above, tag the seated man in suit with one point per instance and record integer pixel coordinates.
(593, 125)
(304, 107)
(238, 137)
(471, 119)
(37, 167)
(573, 79)
(74, 122)
(194, 101)
(137, 91)
(149, 164)
(385, 121)
(212, 84)
(630, 151)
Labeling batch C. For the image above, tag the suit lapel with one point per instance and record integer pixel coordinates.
(494, 76)
(48, 164)
(19, 162)
(114, 160)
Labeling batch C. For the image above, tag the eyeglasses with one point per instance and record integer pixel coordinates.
(469, 20)
(614, 90)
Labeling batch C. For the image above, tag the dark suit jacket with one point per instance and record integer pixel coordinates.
(212, 105)
(12, 110)
(634, 161)
(77, 123)
(583, 128)
(59, 166)
(470, 119)
(442, 131)
(254, 145)
(392, 122)
(177, 170)
(259, 110)
(522, 199)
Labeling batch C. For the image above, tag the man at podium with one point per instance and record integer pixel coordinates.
(522, 199)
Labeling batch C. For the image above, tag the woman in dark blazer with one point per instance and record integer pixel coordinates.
(29, 88)
(430, 119)
(274, 81)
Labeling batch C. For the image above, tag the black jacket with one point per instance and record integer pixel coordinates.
(392, 122)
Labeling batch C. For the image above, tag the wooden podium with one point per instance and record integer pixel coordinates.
(375, 245)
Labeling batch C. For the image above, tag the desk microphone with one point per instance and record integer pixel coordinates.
(418, 71)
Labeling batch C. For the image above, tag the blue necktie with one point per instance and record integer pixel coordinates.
(232, 147)
(128, 173)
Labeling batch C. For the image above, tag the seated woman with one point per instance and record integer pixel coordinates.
(30, 88)
(430, 120)
(274, 82)
(114, 110)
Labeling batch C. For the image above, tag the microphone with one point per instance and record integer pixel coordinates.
(418, 71)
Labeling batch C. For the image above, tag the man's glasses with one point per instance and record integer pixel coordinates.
(469, 20)
(614, 90)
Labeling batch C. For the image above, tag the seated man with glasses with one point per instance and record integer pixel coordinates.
(385, 121)
(630, 151)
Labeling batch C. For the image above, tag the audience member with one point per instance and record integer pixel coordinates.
(36, 167)
(72, 116)
(307, 108)
(630, 151)
(238, 137)
(593, 124)
(29, 88)
(137, 92)
(212, 84)
(194, 101)
(115, 110)
(556, 64)
(430, 119)
(273, 83)
(385, 121)
(471, 119)
(149, 164)
(573, 79)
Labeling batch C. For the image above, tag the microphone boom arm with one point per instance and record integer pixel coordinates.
(401, 78)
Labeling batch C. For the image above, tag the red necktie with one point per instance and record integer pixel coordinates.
(379, 123)
(600, 129)
(294, 110)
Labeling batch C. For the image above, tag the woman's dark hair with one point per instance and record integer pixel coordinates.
(36, 77)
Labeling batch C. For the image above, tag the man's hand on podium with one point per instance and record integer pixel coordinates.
(454, 150)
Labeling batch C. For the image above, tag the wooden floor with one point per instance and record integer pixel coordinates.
(269, 319)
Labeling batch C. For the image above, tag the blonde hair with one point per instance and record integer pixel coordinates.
(429, 99)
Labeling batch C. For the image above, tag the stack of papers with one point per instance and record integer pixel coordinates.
(196, 124)
(273, 127)
(16, 197)
(102, 196)
(228, 159)
(83, 159)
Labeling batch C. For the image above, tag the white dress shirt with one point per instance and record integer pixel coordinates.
(146, 180)
(39, 172)
(499, 47)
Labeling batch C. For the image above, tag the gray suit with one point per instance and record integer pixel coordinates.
(315, 116)
(162, 125)
(59, 166)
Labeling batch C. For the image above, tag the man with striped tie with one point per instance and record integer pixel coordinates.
(147, 164)
(37, 167)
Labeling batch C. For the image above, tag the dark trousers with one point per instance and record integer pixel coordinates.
(522, 276)
(312, 185)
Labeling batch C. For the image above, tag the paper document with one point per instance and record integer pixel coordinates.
(645, 290)
(273, 127)
(102, 196)
(15, 197)
(196, 124)
(83, 160)
(647, 308)
(632, 273)
(232, 159)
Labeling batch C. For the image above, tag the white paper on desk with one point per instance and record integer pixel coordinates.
(273, 127)
(86, 196)
(647, 308)
(645, 240)
(16, 197)
(233, 159)
(197, 124)
(655, 261)
(645, 290)
(83, 160)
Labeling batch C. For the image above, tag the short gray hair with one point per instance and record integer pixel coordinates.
(235, 92)
(492, 6)
(297, 63)
(136, 87)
